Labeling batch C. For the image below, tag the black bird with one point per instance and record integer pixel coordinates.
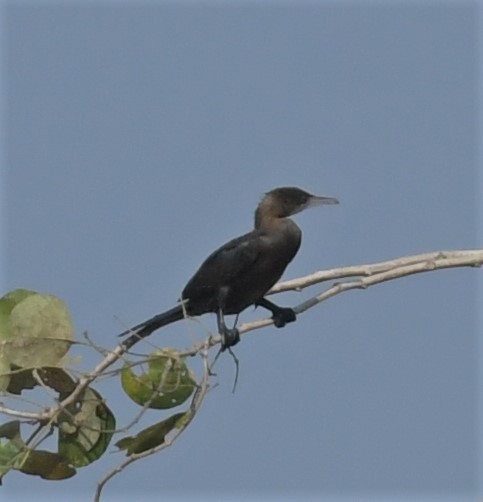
(242, 271)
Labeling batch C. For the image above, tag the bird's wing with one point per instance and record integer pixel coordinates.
(231, 260)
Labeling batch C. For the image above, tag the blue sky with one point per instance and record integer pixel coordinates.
(139, 137)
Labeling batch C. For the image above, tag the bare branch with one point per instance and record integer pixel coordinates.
(469, 258)
(353, 277)
(25, 415)
(369, 275)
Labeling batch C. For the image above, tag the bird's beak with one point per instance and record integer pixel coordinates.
(321, 201)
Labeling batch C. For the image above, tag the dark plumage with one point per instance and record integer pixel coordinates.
(240, 272)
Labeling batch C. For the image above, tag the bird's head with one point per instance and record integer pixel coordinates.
(287, 201)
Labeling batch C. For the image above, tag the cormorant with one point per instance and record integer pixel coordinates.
(242, 271)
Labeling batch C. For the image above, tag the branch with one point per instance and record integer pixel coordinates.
(363, 277)
(445, 259)
(360, 277)
(196, 403)
(369, 275)
(355, 277)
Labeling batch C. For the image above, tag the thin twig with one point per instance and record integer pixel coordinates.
(196, 403)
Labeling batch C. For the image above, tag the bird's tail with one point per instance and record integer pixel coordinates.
(147, 327)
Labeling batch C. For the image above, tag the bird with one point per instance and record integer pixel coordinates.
(242, 271)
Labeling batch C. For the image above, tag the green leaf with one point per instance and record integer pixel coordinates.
(152, 436)
(85, 428)
(47, 465)
(10, 430)
(167, 383)
(14, 454)
(11, 446)
(38, 331)
(85, 431)
(7, 303)
(4, 372)
(55, 378)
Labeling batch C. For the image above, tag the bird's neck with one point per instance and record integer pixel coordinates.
(268, 211)
(285, 227)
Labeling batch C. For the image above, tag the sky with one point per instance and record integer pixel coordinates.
(138, 137)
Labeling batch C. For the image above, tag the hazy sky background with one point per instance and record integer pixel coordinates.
(140, 136)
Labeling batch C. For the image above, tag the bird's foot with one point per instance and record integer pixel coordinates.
(283, 316)
(229, 337)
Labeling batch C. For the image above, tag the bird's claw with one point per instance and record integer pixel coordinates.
(229, 338)
(283, 316)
